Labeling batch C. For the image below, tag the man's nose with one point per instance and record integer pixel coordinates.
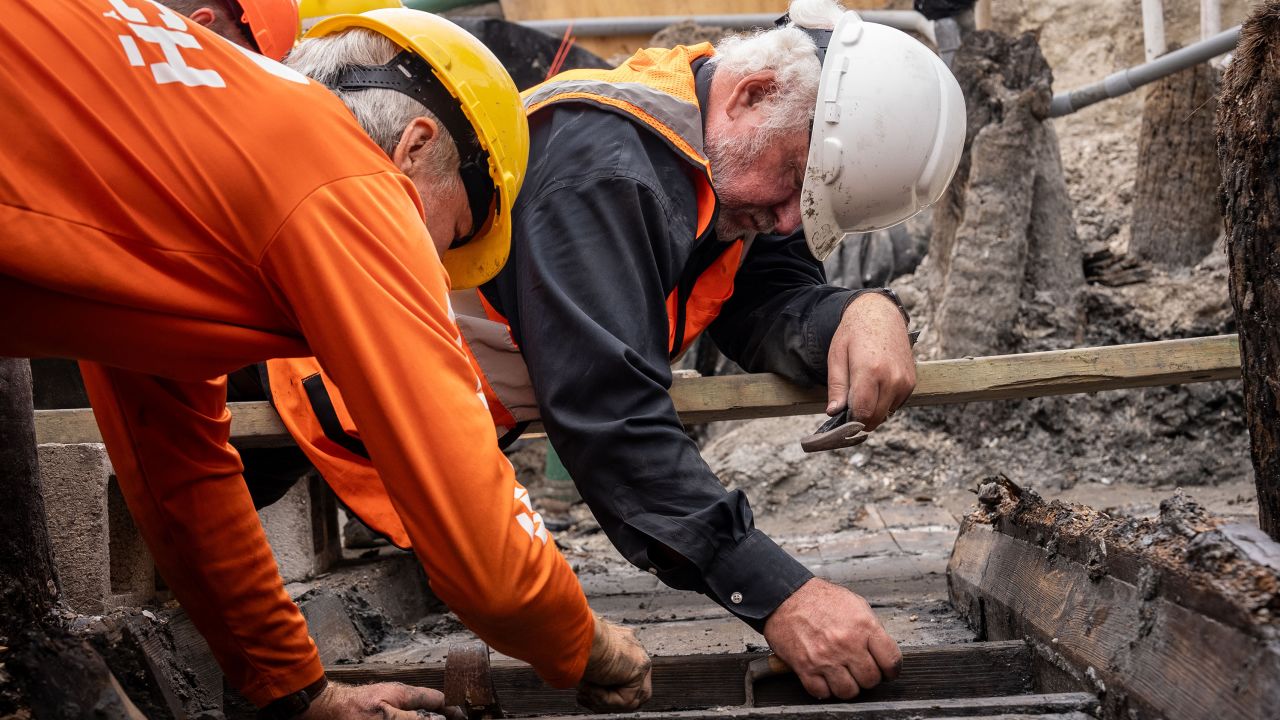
(787, 216)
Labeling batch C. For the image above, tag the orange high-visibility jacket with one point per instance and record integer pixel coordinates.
(174, 208)
(656, 89)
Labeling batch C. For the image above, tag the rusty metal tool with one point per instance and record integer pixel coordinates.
(838, 432)
(758, 669)
(841, 431)
(468, 680)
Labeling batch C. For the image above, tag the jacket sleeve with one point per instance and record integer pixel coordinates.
(782, 314)
(586, 299)
(356, 268)
(169, 448)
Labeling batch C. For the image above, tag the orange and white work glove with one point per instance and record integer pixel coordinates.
(618, 677)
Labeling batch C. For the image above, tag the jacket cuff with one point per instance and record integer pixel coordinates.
(821, 326)
(262, 691)
(752, 578)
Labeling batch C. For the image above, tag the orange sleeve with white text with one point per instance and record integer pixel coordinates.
(172, 208)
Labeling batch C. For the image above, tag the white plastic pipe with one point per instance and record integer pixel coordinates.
(1210, 18)
(1126, 81)
(647, 25)
(982, 15)
(1153, 28)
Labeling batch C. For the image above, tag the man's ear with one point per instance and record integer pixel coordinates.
(203, 16)
(750, 91)
(415, 142)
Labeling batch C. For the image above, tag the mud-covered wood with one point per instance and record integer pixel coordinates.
(702, 681)
(1175, 209)
(1170, 617)
(1058, 706)
(28, 578)
(1004, 252)
(940, 382)
(62, 678)
(1249, 158)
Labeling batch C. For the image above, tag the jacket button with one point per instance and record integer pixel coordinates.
(736, 598)
(653, 571)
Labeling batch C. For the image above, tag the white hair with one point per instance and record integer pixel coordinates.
(790, 53)
(384, 114)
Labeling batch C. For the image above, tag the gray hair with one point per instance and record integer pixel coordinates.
(790, 53)
(384, 114)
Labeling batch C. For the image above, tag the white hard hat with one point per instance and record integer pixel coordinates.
(888, 130)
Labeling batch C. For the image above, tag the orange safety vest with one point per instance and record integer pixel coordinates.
(656, 89)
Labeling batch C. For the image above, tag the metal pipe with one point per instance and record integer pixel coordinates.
(1153, 28)
(642, 25)
(1126, 81)
(1210, 18)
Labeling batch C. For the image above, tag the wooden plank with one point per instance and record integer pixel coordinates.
(939, 382)
(1155, 657)
(702, 681)
(1056, 705)
(516, 10)
(1000, 377)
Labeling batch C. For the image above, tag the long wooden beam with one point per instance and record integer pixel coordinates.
(940, 382)
(686, 682)
(1128, 605)
(1043, 706)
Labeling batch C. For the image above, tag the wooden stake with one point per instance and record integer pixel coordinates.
(28, 579)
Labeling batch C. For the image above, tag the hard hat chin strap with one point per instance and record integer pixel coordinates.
(409, 74)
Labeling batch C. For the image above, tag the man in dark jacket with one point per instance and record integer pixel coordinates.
(665, 198)
(608, 229)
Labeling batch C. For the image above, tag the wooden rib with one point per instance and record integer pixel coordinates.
(703, 681)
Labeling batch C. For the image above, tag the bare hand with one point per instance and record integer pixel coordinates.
(617, 677)
(381, 701)
(832, 640)
(870, 368)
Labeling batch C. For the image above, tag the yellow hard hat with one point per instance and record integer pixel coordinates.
(313, 11)
(468, 89)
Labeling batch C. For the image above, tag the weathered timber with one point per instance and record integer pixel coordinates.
(939, 382)
(1056, 706)
(28, 578)
(702, 681)
(1168, 618)
(1249, 159)
(1175, 216)
(65, 679)
(1004, 253)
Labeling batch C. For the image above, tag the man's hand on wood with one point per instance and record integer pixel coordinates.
(380, 701)
(870, 368)
(832, 640)
(618, 677)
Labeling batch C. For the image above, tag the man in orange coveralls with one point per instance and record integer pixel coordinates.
(163, 213)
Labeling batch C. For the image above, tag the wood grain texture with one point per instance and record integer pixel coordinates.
(1249, 158)
(703, 681)
(28, 576)
(1061, 706)
(1175, 203)
(939, 382)
(515, 10)
(1155, 657)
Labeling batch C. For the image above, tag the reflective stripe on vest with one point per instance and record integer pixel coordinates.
(656, 89)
